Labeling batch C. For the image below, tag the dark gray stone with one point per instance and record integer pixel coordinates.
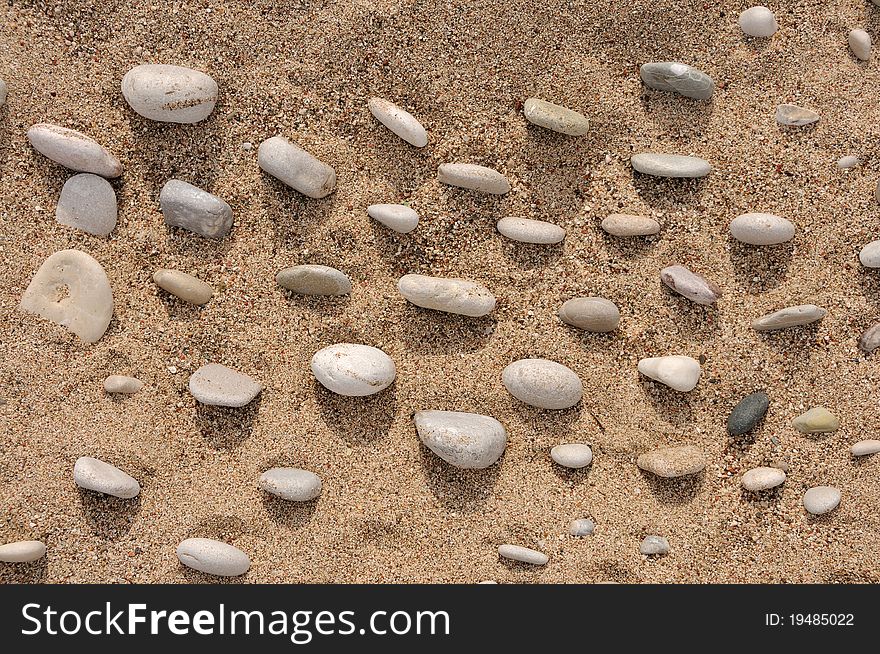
(747, 414)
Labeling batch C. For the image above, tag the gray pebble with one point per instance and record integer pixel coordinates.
(621, 224)
(525, 230)
(848, 161)
(464, 440)
(542, 383)
(459, 296)
(654, 545)
(87, 202)
(216, 385)
(869, 256)
(592, 314)
(73, 150)
(761, 229)
(796, 316)
(122, 384)
(191, 208)
(473, 177)
(694, 287)
(761, 479)
(672, 462)
(312, 279)
(353, 370)
(555, 117)
(581, 527)
(293, 484)
(522, 554)
(747, 414)
(23, 551)
(792, 115)
(399, 121)
(860, 44)
(213, 557)
(397, 217)
(677, 77)
(572, 455)
(821, 499)
(101, 477)
(670, 165)
(3, 92)
(870, 340)
(865, 448)
(171, 94)
(301, 171)
(184, 286)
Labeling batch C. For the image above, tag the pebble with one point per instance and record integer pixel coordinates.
(860, 44)
(621, 224)
(312, 279)
(848, 161)
(525, 230)
(760, 479)
(169, 94)
(869, 256)
(87, 202)
(464, 440)
(191, 208)
(543, 384)
(677, 77)
(216, 385)
(397, 217)
(72, 290)
(680, 373)
(672, 462)
(95, 475)
(864, 448)
(817, 420)
(802, 314)
(23, 551)
(821, 499)
(758, 22)
(792, 115)
(652, 545)
(73, 150)
(186, 287)
(295, 167)
(572, 455)
(593, 314)
(870, 340)
(213, 557)
(122, 384)
(3, 92)
(473, 177)
(670, 165)
(555, 117)
(761, 229)
(522, 554)
(292, 484)
(694, 287)
(353, 370)
(458, 296)
(581, 527)
(399, 121)
(747, 414)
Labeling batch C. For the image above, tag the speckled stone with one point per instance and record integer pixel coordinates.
(581, 527)
(183, 286)
(626, 225)
(216, 385)
(672, 462)
(678, 77)
(869, 256)
(301, 171)
(760, 479)
(397, 217)
(353, 370)
(689, 284)
(654, 545)
(473, 177)
(747, 414)
(555, 117)
(187, 206)
(542, 383)
(670, 165)
(680, 373)
(292, 484)
(213, 557)
(312, 279)
(87, 202)
(122, 384)
(458, 296)
(572, 455)
(821, 499)
(758, 22)
(870, 340)
(761, 229)
(522, 554)
(73, 150)
(399, 121)
(817, 420)
(793, 116)
(797, 316)
(23, 551)
(526, 230)
(170, 94)
(592, 314)
(860, 44)
(865, 448)
(464, 440)
(95, 475)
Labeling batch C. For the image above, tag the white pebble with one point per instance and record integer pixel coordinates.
(122, 384)
(87, 202)
(759, 479)
(213, 557)
(171, 94)
(353, 370)
(459, 296)
(581, 527)
(473, 177)
(295, 167)
(397, 217)
(217, 385)
(522, 554)
(95, 475)
(542, 383)
(654, 545)
(526, 230)
(23, 551)
(679, 372)
(864, 448)
(399, 121)
(572, 455)
(821, 499)
(761, 229)
(794, 116)
(869, 255)
(860, 44)
(73, 150)
(187, 206)
(848, 161)
(758, 22)
(555, 117)
(464, 440)
(293, 484)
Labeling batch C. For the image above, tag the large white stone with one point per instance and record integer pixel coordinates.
(679, 372)
(87, 202)
(213, 557)
(758, 22)
(96, 475)
(73, 150)
(464, 440)
(459, 296)
(170, 94)
(352, 369)
(23, 551)
(761, 229)
(301, 171)
(542, 383)
(677, 77)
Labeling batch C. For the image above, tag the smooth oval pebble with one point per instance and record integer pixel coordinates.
(821, 499)
(293, 484)
(679, 372)
(459, 296)
(184, 286)
(95, 475)
(622, 224)
(170, 94)
(526, 230)
(864, 448)
(759, 479)
(217, 385)
(817, 420)
(187, 206)
(654, 545)
(87, 202)
(397, 217)
(464, 440)
(869, 256)
(73, 150)
(353, 370)
(593, 314)
(677, 77)
(555, 117)
(213, 557)
(672, 462)
(860, 43)
(848, 161)
(23, 551)
(72, 290)
(870, 340)
(747, 413)
(796, 316)
(312, 279)
(3, 91)
(542, 383)
(473, 177)
(686, 283)
(761, 229)
(400, 122)
(572, 455)
(670, 165)
(758, 22)
(292, 165)
(581, 527)
(522, 554)
(792, 115)
(122, 384)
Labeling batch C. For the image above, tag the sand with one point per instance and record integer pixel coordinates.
(390, 510)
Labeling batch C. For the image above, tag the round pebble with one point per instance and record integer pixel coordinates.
(526, 230)
(760, 479)
(187, 206)
(23, 551)
(543, 384)
(797, 316)
(581, 527)
(170, 94)
(314, 279)
(122, 384)
(184, 286)
(848, 161)
(678, 77)
(794, 116)
(758, 22)
(400, 122)
(572, 455)
(821, 499)
(73, 150)
(860, 44)
(747, 414)
(670, 165)
(458, 296)
(592, 314)
(869, 256)
(694, 287)
(624, 225)
(216, 385)
(817, 420)
(87, 202)
(396, 217)
(672, 462)
(761, 229)
(522, 554)
(654, 545)
(353, 370)
(295, 167)
(464, 440)
(291, 484)
(213, 557)
(870, 340)
(555, 117)
(865, 448)
(679, 372)
(95, 475)
(473, 177)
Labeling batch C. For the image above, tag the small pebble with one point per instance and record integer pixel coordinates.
(184, 286)
(860, 44)
(170, 94)
(216, 385)
(670, 165)
(864, 448)
(797, 316)
(473, 177)
(353, 370)
(458, 296)
(747, 414)
(672, 462)
(191, 208)
(681, 373)
(101, 477)
(621, 224)
(821, 499)
(849, 161)
(526, 230)
(869, 256)
(213, 557)
(581, 527)
(792, 115)
(761, 229)
(292, 165)
(678, 77)
(694, 287)
(543, 384)
(23, 551)
(758, 22)
(312, 279)
(397, 217)
(817, 420)
(572, 455)
(592, 314)
(122, 384)
(291, 484)
(760, 479)
(555, 117)
(464, 440)
(522, 554)
(73, 150)
(87, 202)
(3, 92)
(400, 122)
(654, 545)
(870, 340)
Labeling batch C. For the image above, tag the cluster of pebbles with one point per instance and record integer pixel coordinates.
(174, 94)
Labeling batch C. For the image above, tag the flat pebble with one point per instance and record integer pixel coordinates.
(679, 372)
(848, 161)
(864, 448)
(747, 414)
(353, 370)
(312, 279)
(817, 420)
(860, 43)
(191, 208)
(87, 202)
(542, 383)
(622, 224)
(593, 314)
(694, 287)
(458, 296)
(473, 177)
(525, 230)
(672, 462)
(792, 115)
(3, 92)
(397, 217)
(293, 484)
(95, 475)
(555, 117)
(654, 545)
(399, 121)
(802, 314)
(184, 286)
(758, 22)
(870, 340)
(759, 479)
(522, 554)
(761, 229)
(72, 290)
(572, 455)
(23, 551)
(678, 77)
(292, 165)
(869, 256)
(122, 384)
(821, 499)
(464, 440)
(73, 150)
(170, 94)
(213, 557)
(670, 165)
(217, 385)
(581, 527)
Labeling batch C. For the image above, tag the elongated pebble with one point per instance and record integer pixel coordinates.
(292, 165)
(213, 557)
(522, 554)
(183, 285)
(654, 546)
(581, 527)
(555, 117)
(758, 22)
(23, 551)
(217, 385)
(670, 165)
(73, 150)
(353, 370)
(621, 224)
(170, 94)
(542, 383)
(87, 202)
(572, 455)
(673, 462)
(761, 229)
(459, 296)
(870, 340)
(95, 475)
(3, 91)
(592, 314)
(464, 440)
(848, 161)
(793, 116)
(817, 420)
(526, 230)
(747, 414)
(397, 217)
(187, 206)
(821, 499)
(678, 77)
(313, 279)
(689, 284)
(399, 121)
(860, 43)
(122, 384)
(869, 256)
(796, 316)
(473, 177)
(677, 371)
(293, 484)
(864, 448)
(760, 479)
